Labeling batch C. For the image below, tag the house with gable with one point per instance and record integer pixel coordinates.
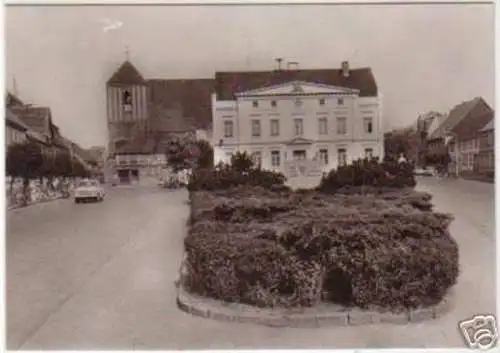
(460, 132)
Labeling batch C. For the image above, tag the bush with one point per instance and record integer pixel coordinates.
(372, 173)
(267, 248)
(228, 177)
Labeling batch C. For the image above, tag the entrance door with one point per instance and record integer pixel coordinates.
(299, 155)
(124, 176)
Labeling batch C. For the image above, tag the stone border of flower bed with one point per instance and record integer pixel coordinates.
(324, 314)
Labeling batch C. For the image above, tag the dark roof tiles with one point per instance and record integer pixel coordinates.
(127, 74)
(36, 118)
(490, 126)
(465, 119)
(229, 83)
(14, 121)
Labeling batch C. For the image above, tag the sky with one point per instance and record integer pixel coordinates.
(424, 57)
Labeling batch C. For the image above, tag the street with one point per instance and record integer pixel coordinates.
(101, 276)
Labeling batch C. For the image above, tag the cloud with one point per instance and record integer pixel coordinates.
(110, 25)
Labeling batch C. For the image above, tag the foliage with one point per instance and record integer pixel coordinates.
(226, 176)
(57, 164)
(178, 154)
(439, 157)
(385, 250)
(205, 154)
(25, 160)
(78, 169)
(241, 162)
(184, 152)
(369, 172)
(397, 142)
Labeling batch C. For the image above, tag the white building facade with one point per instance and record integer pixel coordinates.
(300, 124)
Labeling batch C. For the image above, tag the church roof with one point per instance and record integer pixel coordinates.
(127, 74)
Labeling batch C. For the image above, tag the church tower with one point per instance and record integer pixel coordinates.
(126, 97)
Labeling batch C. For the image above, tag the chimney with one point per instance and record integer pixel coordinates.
(279, 61)
(293, 64)
(345, 68)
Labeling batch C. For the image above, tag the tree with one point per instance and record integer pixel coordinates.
(62, 164)
(185, 152)
(178, 154)
(25, 160)
(78, 169)
(397, 142)
(205, 154)
(241, 162)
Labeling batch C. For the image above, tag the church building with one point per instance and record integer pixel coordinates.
(143, 114)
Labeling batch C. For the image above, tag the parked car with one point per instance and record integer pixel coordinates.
(89, 190)
(427, 171)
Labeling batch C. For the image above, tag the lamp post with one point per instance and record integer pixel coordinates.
(457, 156)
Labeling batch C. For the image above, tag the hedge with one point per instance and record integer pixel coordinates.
(369, 172)
(281, 248)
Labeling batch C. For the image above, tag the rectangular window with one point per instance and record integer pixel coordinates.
(490, 139)
(228, 129)
(322, 101)
(323, 155)
(342, 156)
(369, 153)
(273, 104)
(298, 102)
(256, 128)
(257, 158)
(275, 127)
(275, 158)
(341, 126)
(323, 126)
(299, 127)
(255, 104)
(368, 123)
(340, 101)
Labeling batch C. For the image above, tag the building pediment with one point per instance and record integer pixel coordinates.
(299, 141)
(298, 88)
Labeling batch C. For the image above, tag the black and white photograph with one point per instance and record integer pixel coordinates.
(209, 176)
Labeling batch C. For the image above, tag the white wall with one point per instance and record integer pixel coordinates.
(354, 108)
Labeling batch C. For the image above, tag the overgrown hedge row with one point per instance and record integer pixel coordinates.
(268, 248)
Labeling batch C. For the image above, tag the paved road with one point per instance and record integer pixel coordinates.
(101, 276)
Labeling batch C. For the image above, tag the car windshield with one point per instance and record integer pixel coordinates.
(87, 183)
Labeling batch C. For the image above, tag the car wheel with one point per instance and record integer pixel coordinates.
(77, 201)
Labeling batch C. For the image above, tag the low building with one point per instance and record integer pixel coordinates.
(318, 119)
(459, 131)
(15, 129)
(485, 160)
(138, 162)
(39, 122)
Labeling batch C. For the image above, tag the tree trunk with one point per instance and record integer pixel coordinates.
(26, 196)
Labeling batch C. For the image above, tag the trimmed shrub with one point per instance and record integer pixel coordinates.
(227, 177)
(373, 250)
(371, 173)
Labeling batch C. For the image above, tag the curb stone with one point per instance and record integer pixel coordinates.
(304, 318)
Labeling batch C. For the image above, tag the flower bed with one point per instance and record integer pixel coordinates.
(362, 246)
